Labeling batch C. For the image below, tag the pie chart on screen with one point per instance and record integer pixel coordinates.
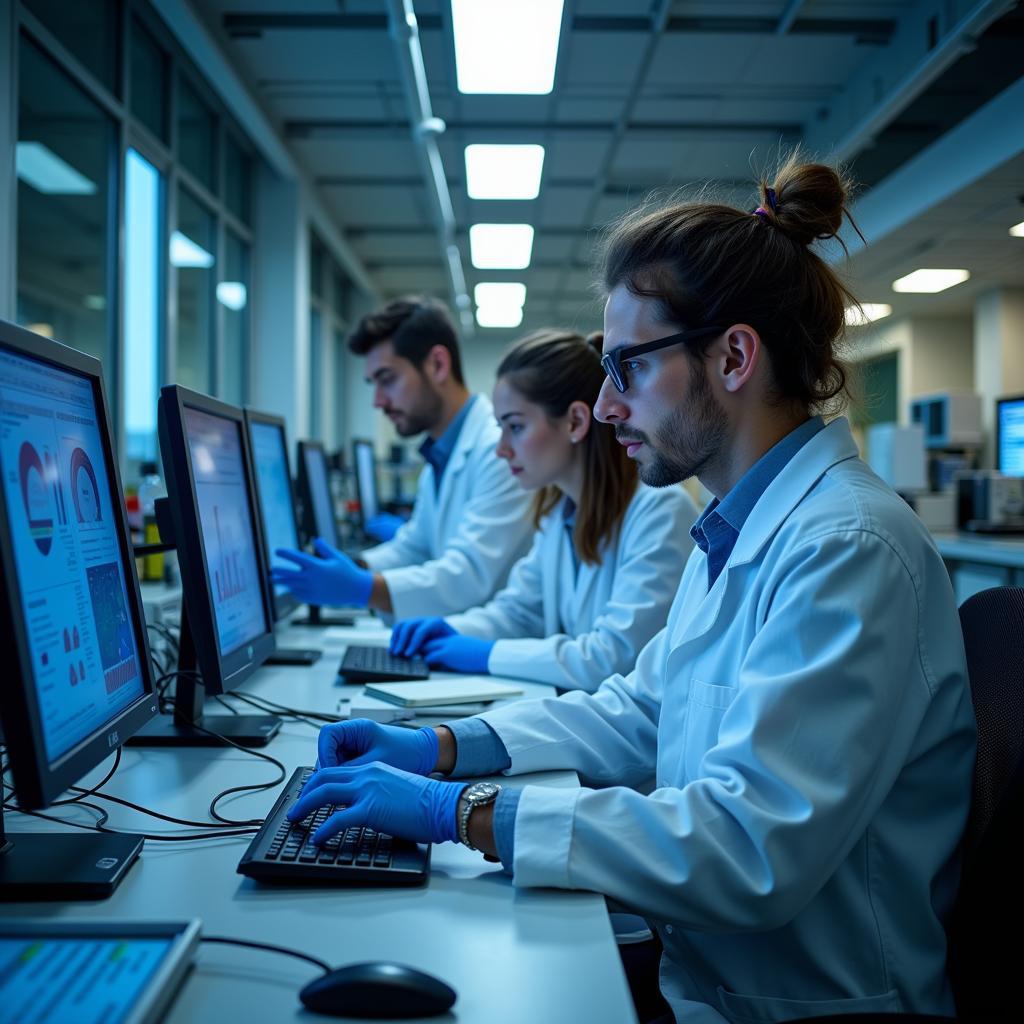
(83, 488)
(37, 498)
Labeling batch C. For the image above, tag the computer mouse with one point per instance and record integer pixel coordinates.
(379, 990)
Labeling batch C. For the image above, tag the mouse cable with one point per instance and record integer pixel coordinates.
(269, 947)
(224, 704)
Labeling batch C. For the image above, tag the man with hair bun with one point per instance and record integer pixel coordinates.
(805, 712)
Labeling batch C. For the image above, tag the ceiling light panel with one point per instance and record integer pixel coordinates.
(500, 293)
(506, 46)
(501, 246)
(866, 313)
(503, 172)
(46, 172)
(499, 316)
(930, 279)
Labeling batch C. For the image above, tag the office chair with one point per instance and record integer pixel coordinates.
(984, 943)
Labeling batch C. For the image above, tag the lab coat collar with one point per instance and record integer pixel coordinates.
(831, 445)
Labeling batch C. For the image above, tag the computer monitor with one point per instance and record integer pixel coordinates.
(315, 493)
(269, 442)
(77, 675)
(1010, 435)
(226, 614)
(365, 462)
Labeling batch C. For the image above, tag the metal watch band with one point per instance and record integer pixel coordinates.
(470, 798)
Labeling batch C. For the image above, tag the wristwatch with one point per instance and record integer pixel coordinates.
(476, 795)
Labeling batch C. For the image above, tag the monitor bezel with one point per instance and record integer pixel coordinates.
(309, 523)
(37, 781)
(287, 602)
(220, 672)
(1000, 402)
(357, 443)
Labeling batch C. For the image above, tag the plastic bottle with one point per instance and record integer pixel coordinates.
(151, 487)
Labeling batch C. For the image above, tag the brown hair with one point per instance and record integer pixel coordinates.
(414, 325)
(553, 369)
(707, 263)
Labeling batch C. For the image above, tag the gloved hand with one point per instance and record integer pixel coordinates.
(331, 578)
(360, 741)
(458, 653)
(383, 798)
(409, 635)
(383, 526)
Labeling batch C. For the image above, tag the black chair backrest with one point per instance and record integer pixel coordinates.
(983, 958)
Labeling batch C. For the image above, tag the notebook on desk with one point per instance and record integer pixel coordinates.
(441, 691)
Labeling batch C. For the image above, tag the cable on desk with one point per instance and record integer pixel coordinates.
(278, 710)
(269, 947)
(323, 716)
(224, 704)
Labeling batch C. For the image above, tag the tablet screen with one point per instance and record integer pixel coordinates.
(76, 980)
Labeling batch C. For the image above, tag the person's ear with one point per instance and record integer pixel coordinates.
(579, 417)
(735, 356)
(438, 364)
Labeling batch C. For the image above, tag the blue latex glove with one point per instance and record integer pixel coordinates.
(383, 526)
(409, 635)
(360, 741)
(459, 653)
(331, 578)
(383, 798)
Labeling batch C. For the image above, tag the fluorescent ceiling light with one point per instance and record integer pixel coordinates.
(41, 168)
(930, 280)
(1018, 230)
(506, 46)
(508, 294)
(866, 313)
(503, 172)
(501, 246)
(186, 253)
(232, 294)
(499, 316)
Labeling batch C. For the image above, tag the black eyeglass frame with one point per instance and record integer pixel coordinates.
(611, 362)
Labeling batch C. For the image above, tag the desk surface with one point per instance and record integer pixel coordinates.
(512, 955)
(972, 547)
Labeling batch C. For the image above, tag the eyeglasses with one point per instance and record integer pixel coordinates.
(612, 362)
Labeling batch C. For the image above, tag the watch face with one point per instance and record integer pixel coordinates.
(482, 791)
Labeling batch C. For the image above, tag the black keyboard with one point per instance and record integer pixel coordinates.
(282, 852)
(363, 664)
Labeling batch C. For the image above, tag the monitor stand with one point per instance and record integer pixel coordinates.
(317, 618)
(57, 866)
(294, 656)
(179, 729)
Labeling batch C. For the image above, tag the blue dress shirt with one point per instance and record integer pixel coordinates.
(478, 749)
(437, 453)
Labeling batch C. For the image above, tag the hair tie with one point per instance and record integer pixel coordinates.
(761, 212)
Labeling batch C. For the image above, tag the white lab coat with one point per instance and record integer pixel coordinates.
(456, 550)
(811, 729)
(574, 628)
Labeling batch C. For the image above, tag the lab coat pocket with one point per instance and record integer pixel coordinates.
(705, 706)
(768, 1009)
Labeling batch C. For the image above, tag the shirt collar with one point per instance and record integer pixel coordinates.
(736, 506)
(438, 452)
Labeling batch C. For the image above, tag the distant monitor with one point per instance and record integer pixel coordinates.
(1010, 435)
(269, 441)
(77, 680)
(365, 461)
(315, 493)
(226, 616)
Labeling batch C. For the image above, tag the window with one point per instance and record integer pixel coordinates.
(142, 305)
(233, 297)
(237, 175)
(149, 81)
(65, 204)
(316, 372)
(193, 256)
(197, 135)
(88, 30)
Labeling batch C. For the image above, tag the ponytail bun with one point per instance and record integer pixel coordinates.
(806, 201)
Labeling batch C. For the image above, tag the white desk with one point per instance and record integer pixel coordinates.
(976, 562)
(511, 955)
